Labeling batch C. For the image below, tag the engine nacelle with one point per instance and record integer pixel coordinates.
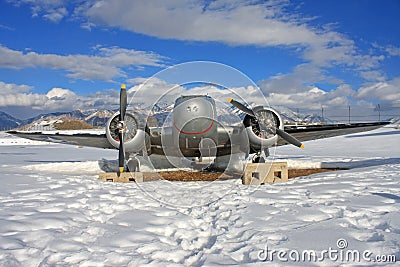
(135, 136)
(262, 133)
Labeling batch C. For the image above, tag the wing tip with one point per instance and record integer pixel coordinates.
(230, 99)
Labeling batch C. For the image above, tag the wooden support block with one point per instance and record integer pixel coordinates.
(125, 177)
(128, 177)
(261, 173)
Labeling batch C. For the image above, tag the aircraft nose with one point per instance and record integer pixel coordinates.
(194, 116)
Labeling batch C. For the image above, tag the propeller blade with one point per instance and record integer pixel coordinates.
(122, 102)
(122, 111)
(288, 138)
(121, 154)
(241, 107)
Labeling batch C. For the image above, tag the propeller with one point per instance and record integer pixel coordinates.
(284, 135)
(122, 129)
(288, 138)
(241, 107)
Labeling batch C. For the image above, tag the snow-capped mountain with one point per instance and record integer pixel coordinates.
(99, 118)
(291, 117)
(314, 118)
(288, 115)
(7, 121)
(77, 114)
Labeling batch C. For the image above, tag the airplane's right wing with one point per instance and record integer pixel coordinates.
(80, 139)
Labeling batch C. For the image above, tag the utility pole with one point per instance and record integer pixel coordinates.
(379, 112)
(349, 114)
(322, 112)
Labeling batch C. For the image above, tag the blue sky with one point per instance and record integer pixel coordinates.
(62, 55)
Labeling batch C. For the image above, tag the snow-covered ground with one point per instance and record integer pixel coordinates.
(54, 211)
(9, 140)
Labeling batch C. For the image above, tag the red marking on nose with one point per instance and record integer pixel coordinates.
(202, 132)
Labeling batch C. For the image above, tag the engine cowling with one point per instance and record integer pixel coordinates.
(261, 131)
(135, 135)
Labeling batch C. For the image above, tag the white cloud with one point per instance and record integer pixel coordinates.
(335, 102)
(325, 56)
(107, 64)
(270, 23)
(373, 75)
(393, 50)
(10, 88)
(52, 10)
(313, 98)
(259, 23)
(5, 27)
(61, 99)
(300, 80)
(390, 50)
(149, 91)
(57, 99)
(13, 95)
(310, 98)
(387, 92)
(155, 90)
(367, 62)
(22, 100)
(266, 23)
(231, 22)
(56, 15)
(101, 100)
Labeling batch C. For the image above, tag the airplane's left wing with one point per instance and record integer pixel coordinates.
(265, 128)
(314, 132)
(79, 139)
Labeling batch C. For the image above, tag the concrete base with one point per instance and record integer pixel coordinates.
(128, 177)
(268, 172)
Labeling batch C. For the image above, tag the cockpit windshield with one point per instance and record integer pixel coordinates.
(184, 98)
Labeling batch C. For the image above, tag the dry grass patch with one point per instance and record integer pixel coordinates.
(73, 125)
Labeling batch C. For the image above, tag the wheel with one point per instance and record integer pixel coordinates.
(258, 159)
(134, 165)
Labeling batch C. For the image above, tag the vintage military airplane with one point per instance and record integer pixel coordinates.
(196, 132)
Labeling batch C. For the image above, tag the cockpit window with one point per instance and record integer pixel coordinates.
(184, 98)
